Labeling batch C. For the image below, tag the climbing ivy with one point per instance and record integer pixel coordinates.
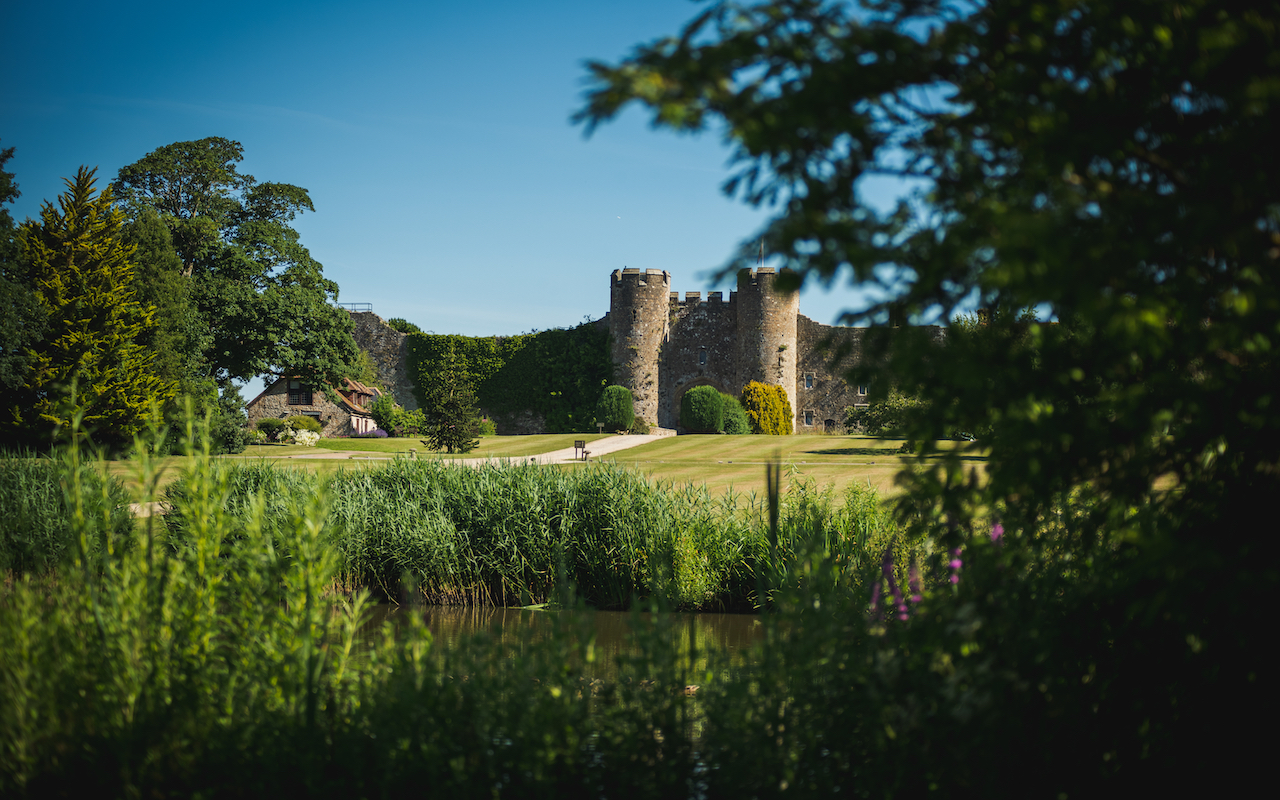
(558, 374)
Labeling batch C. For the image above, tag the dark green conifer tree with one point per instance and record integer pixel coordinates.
(91, 360)
(451, 411)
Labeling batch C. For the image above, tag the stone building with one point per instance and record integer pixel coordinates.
(289, 397)
(663, 346)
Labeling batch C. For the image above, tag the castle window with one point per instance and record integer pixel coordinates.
(808, 418)
(702, 357)
(862, 390)
(635, 315)
(808, 380)
(299, 395)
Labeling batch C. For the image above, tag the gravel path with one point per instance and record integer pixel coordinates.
(599, 447)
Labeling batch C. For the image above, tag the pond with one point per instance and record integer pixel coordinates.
(516, 629)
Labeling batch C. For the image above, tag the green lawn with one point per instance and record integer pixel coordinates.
(490, 446)
(722, 463)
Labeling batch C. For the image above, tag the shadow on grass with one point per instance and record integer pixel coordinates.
(881, 452)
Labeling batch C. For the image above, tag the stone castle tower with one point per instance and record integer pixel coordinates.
(663, 346)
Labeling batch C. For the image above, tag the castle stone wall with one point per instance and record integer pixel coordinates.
(821, 388)
(389, 350)
(701, 349)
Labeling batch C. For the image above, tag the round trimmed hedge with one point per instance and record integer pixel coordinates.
(702, 410)
(616, 409)
(735, 419)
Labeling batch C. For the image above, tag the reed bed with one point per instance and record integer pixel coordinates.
(36, 531)
(518, 534)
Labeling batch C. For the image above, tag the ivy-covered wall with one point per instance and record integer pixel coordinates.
(547, 381)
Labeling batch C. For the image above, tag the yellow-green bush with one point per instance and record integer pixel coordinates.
(768, 408)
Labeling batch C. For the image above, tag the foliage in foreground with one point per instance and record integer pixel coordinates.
(223, 661)
(228, 666)
(1109, 165)
(871, 682)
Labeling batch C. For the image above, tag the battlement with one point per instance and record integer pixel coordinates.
(714, 301)
(756, 279)
(632, 276)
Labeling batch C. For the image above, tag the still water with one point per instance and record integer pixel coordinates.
(613, 633)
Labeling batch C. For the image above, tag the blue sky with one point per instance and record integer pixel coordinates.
(450, 187)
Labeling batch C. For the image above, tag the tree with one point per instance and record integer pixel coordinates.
(22, 321)
(616, 408)
(450, 410)
(259, 293)
(91, 360)
(1112, 165)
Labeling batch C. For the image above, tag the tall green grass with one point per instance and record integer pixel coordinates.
(523, 534)
(36, 523)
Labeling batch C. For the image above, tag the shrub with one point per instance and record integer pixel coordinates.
(385, 412)
(402, 325)
(886, 417)
(377, 433)
(302, 423)
(767, 408)
(735, 419)
(616, 409)
(488, 427)
(701, 410)
(304, 438)
(639, 427)
(271, 427)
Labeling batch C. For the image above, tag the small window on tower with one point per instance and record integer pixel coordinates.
(808, 380)
(702, 356)
(635, 315)
(808, 418)
(862, 390)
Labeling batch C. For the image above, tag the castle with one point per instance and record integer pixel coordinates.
(664, 346)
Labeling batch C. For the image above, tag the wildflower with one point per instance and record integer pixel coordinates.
(956, 563)
(997, 531)
(887, 579)
(913, 581)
